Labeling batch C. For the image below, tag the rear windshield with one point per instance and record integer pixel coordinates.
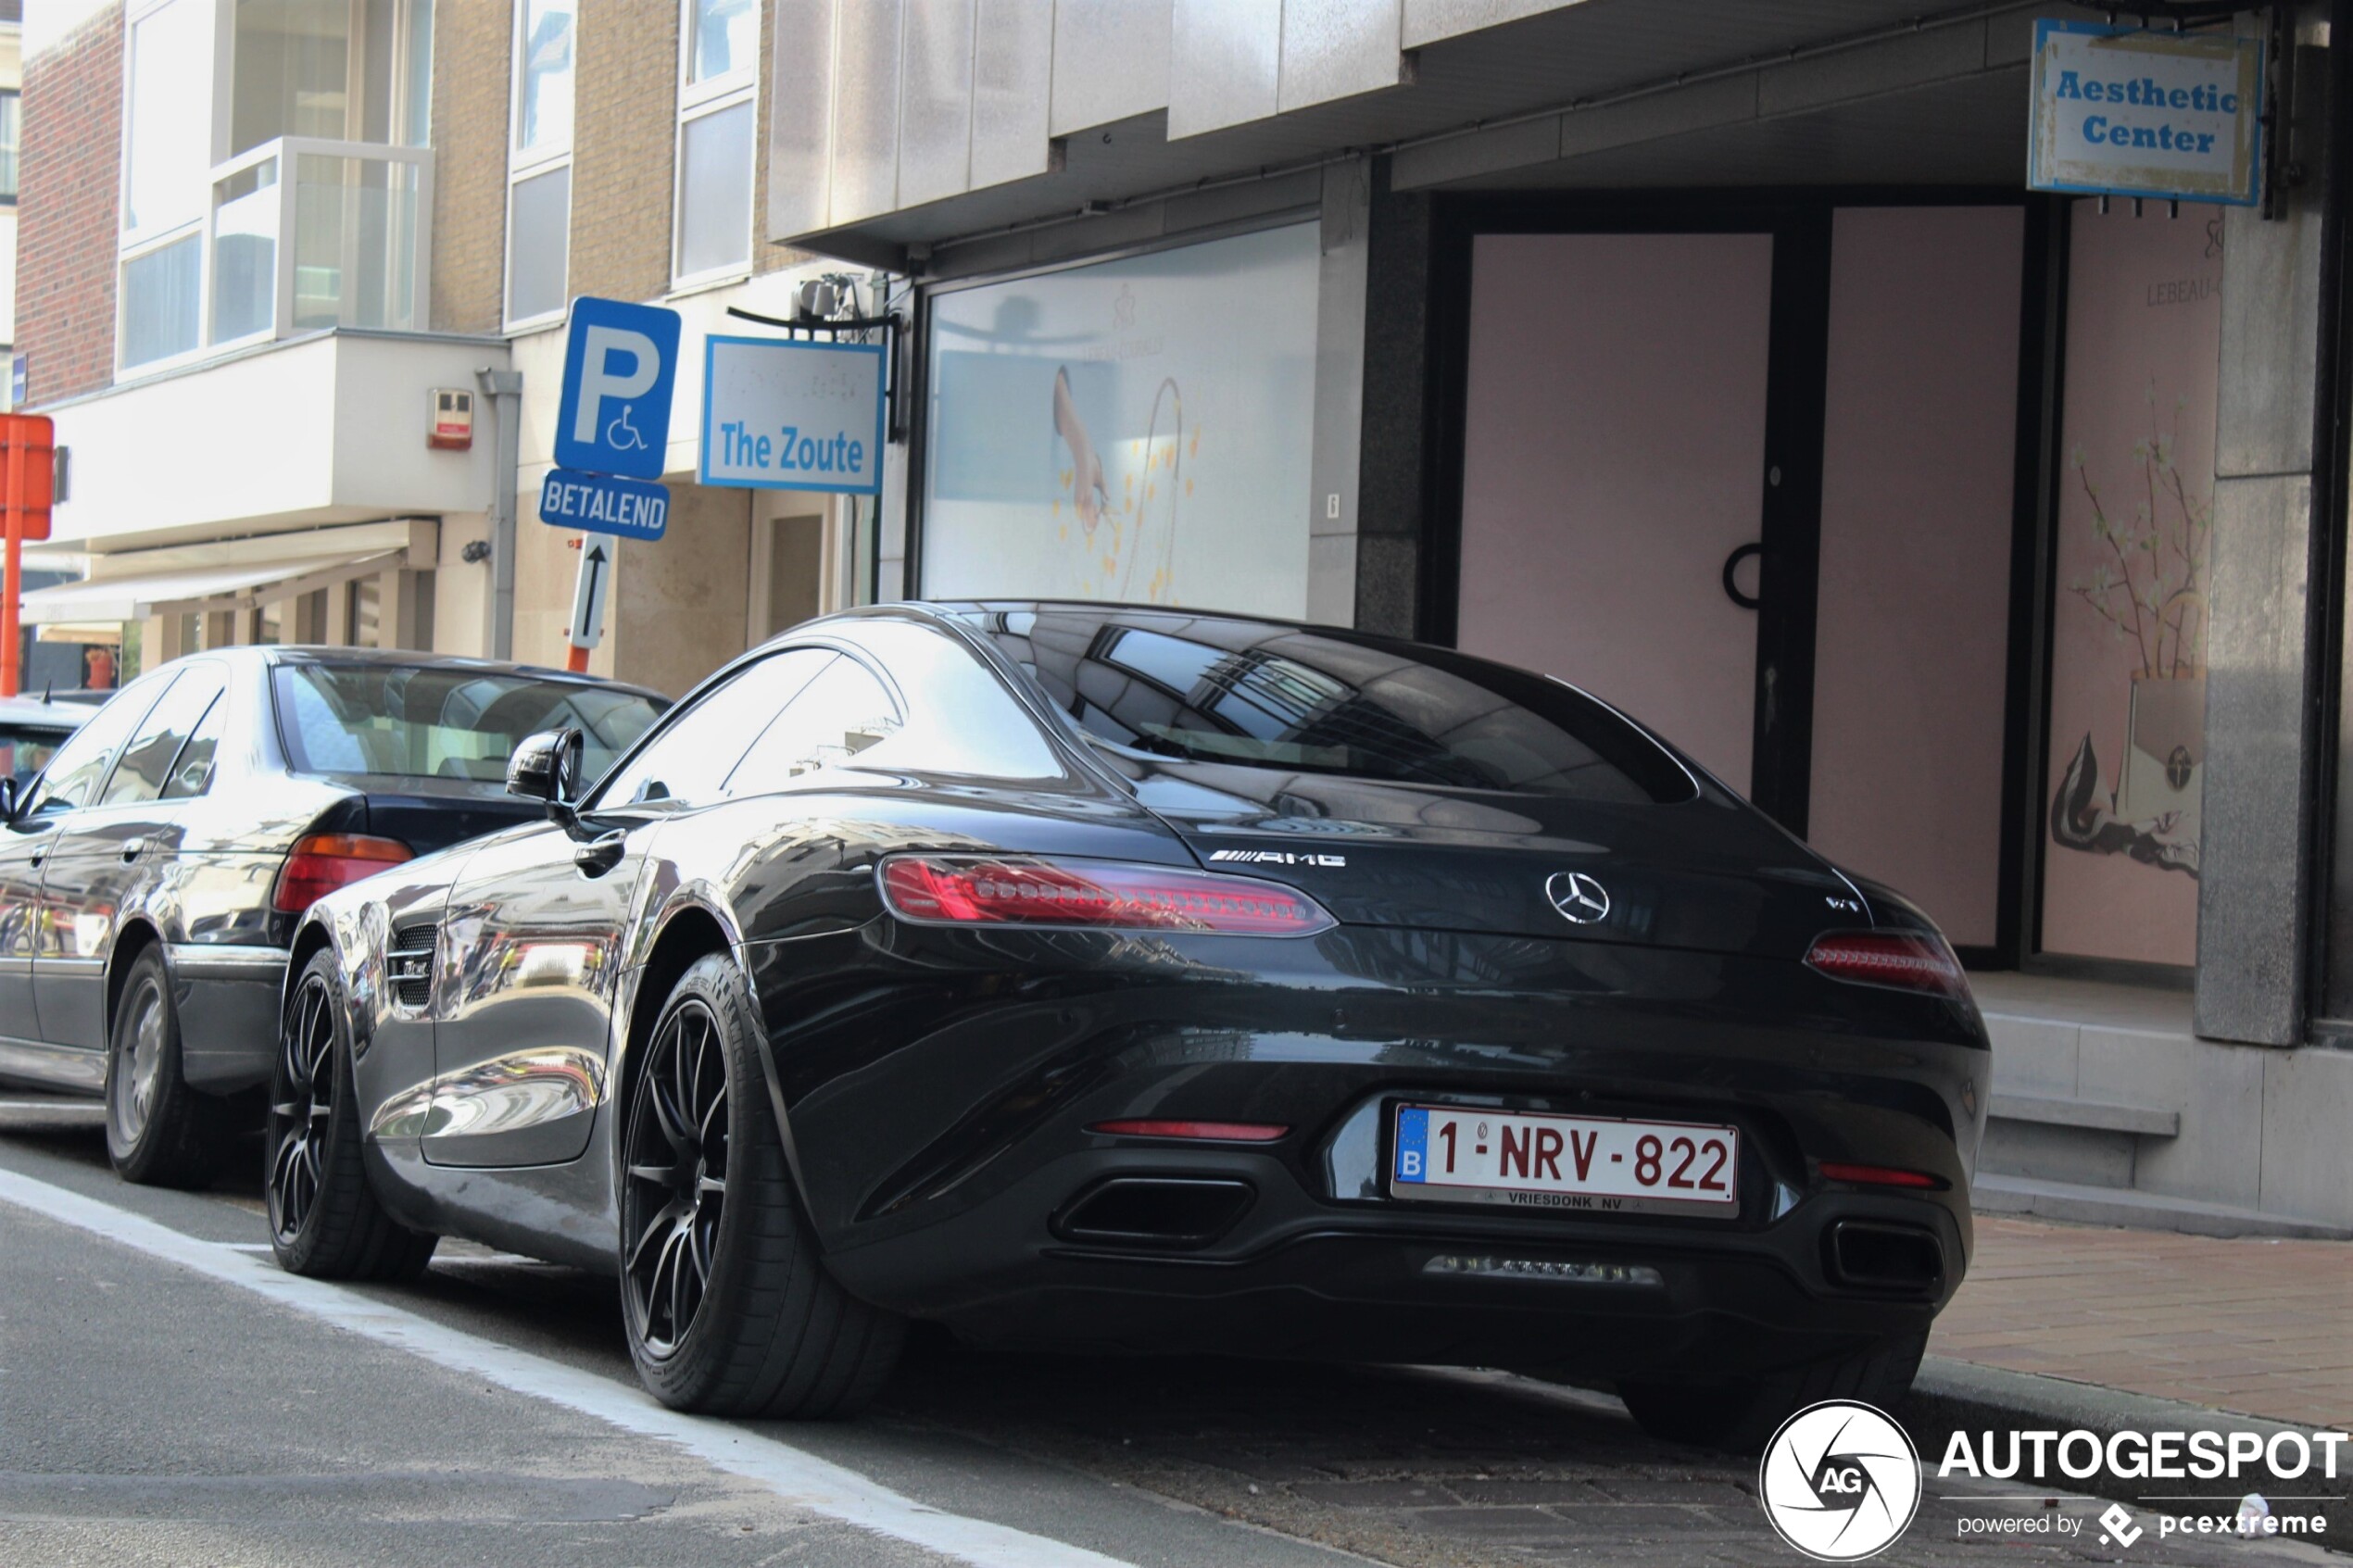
(427, 721)
(1248, 692)
(25, 749)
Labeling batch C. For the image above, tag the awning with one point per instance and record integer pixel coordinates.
(204, 590)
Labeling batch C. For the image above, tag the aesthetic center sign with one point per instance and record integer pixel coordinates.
(2120, 111)
(780, 415)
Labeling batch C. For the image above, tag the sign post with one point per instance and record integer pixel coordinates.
(612, 433)
(28, 448)
(589, 590)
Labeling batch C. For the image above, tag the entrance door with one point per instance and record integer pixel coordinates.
(1833, 393)
(1613, 462)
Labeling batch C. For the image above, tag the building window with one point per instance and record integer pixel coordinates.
(718, 88)
(11, 127)
(274, 177)
(539, 167)
(166, 167)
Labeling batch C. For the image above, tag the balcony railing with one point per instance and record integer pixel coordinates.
(299, 234)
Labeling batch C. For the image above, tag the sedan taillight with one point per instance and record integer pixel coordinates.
(325, 861)
(1908, 961)
(1027, 890)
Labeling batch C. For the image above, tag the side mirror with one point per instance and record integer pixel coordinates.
(8, 793)
(546, 767)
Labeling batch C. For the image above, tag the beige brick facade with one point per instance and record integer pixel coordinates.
(471, 44)
(624, 127)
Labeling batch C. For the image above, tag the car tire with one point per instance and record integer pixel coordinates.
(729, 1307)
(1742, 1416)
(159, 1132)
(325, 1220)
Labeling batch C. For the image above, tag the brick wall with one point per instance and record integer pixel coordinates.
(67, 211)
(624, 127)
(470, 74)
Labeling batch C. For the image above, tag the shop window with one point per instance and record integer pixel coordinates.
(539, 164)
(1136, 430)
(2128, 628)
(718, 85)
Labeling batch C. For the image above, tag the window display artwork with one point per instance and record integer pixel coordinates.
(2128, 635)
(1136, 430)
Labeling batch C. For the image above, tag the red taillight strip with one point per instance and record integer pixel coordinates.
(1032, 890)
(1876, 1175)
(1205, 1131)
(1908, 961)
(322, 862)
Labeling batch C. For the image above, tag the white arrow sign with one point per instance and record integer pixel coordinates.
(589, 594)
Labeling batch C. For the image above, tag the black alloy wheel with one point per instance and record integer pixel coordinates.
(677, 1176)
(325, 1220)
(300, 1107)
(724, 1294)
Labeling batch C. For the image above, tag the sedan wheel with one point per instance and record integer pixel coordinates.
(159, 1131)
(324, 1218)
(729, 1306)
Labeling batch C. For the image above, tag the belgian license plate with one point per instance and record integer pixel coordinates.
(1459, 1154)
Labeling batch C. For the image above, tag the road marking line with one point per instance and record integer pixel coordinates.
(79, 1107)
(797, 1477)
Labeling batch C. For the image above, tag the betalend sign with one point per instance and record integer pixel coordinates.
(780, 415)
(2123, 111)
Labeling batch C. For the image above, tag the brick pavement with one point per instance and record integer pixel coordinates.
(2260, 1326)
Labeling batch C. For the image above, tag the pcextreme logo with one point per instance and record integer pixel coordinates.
(1840, 1481)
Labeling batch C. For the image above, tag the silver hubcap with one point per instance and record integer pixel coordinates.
(136, 1074)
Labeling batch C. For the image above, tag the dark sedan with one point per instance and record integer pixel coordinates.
(151, 875)
(1077, 975)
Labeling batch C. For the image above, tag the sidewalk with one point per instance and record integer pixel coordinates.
(2263, 1327)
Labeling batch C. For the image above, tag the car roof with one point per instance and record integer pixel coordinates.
(64, 717)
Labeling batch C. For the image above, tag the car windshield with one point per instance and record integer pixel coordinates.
(25, 749)
(437, 722)
(1268, 695)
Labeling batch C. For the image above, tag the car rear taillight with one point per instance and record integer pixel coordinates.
(1026, 890)
(1908, 961)
(325, 861)
(1876, 1175)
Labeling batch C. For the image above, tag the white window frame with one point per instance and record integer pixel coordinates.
(132, 245)
(697, 99)
(522, 166)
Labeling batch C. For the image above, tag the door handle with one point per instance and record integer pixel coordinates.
(600, 854)
(133, 849)
(1733, 565)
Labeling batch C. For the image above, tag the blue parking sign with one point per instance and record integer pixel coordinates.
(621, 362)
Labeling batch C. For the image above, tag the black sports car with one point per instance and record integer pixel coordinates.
(1071, 974)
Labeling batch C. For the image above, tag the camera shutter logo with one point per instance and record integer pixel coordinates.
(1840, 1481)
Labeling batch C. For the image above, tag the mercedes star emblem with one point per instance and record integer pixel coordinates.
(1579, 897)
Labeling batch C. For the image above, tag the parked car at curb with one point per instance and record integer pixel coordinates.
(1079, 975)
(152, 872)
(32, 729)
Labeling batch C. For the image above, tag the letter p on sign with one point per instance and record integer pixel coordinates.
(621, 363)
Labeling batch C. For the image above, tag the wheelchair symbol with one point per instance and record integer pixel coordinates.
(622, 436)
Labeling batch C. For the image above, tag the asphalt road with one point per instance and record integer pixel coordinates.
(169, 1397)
